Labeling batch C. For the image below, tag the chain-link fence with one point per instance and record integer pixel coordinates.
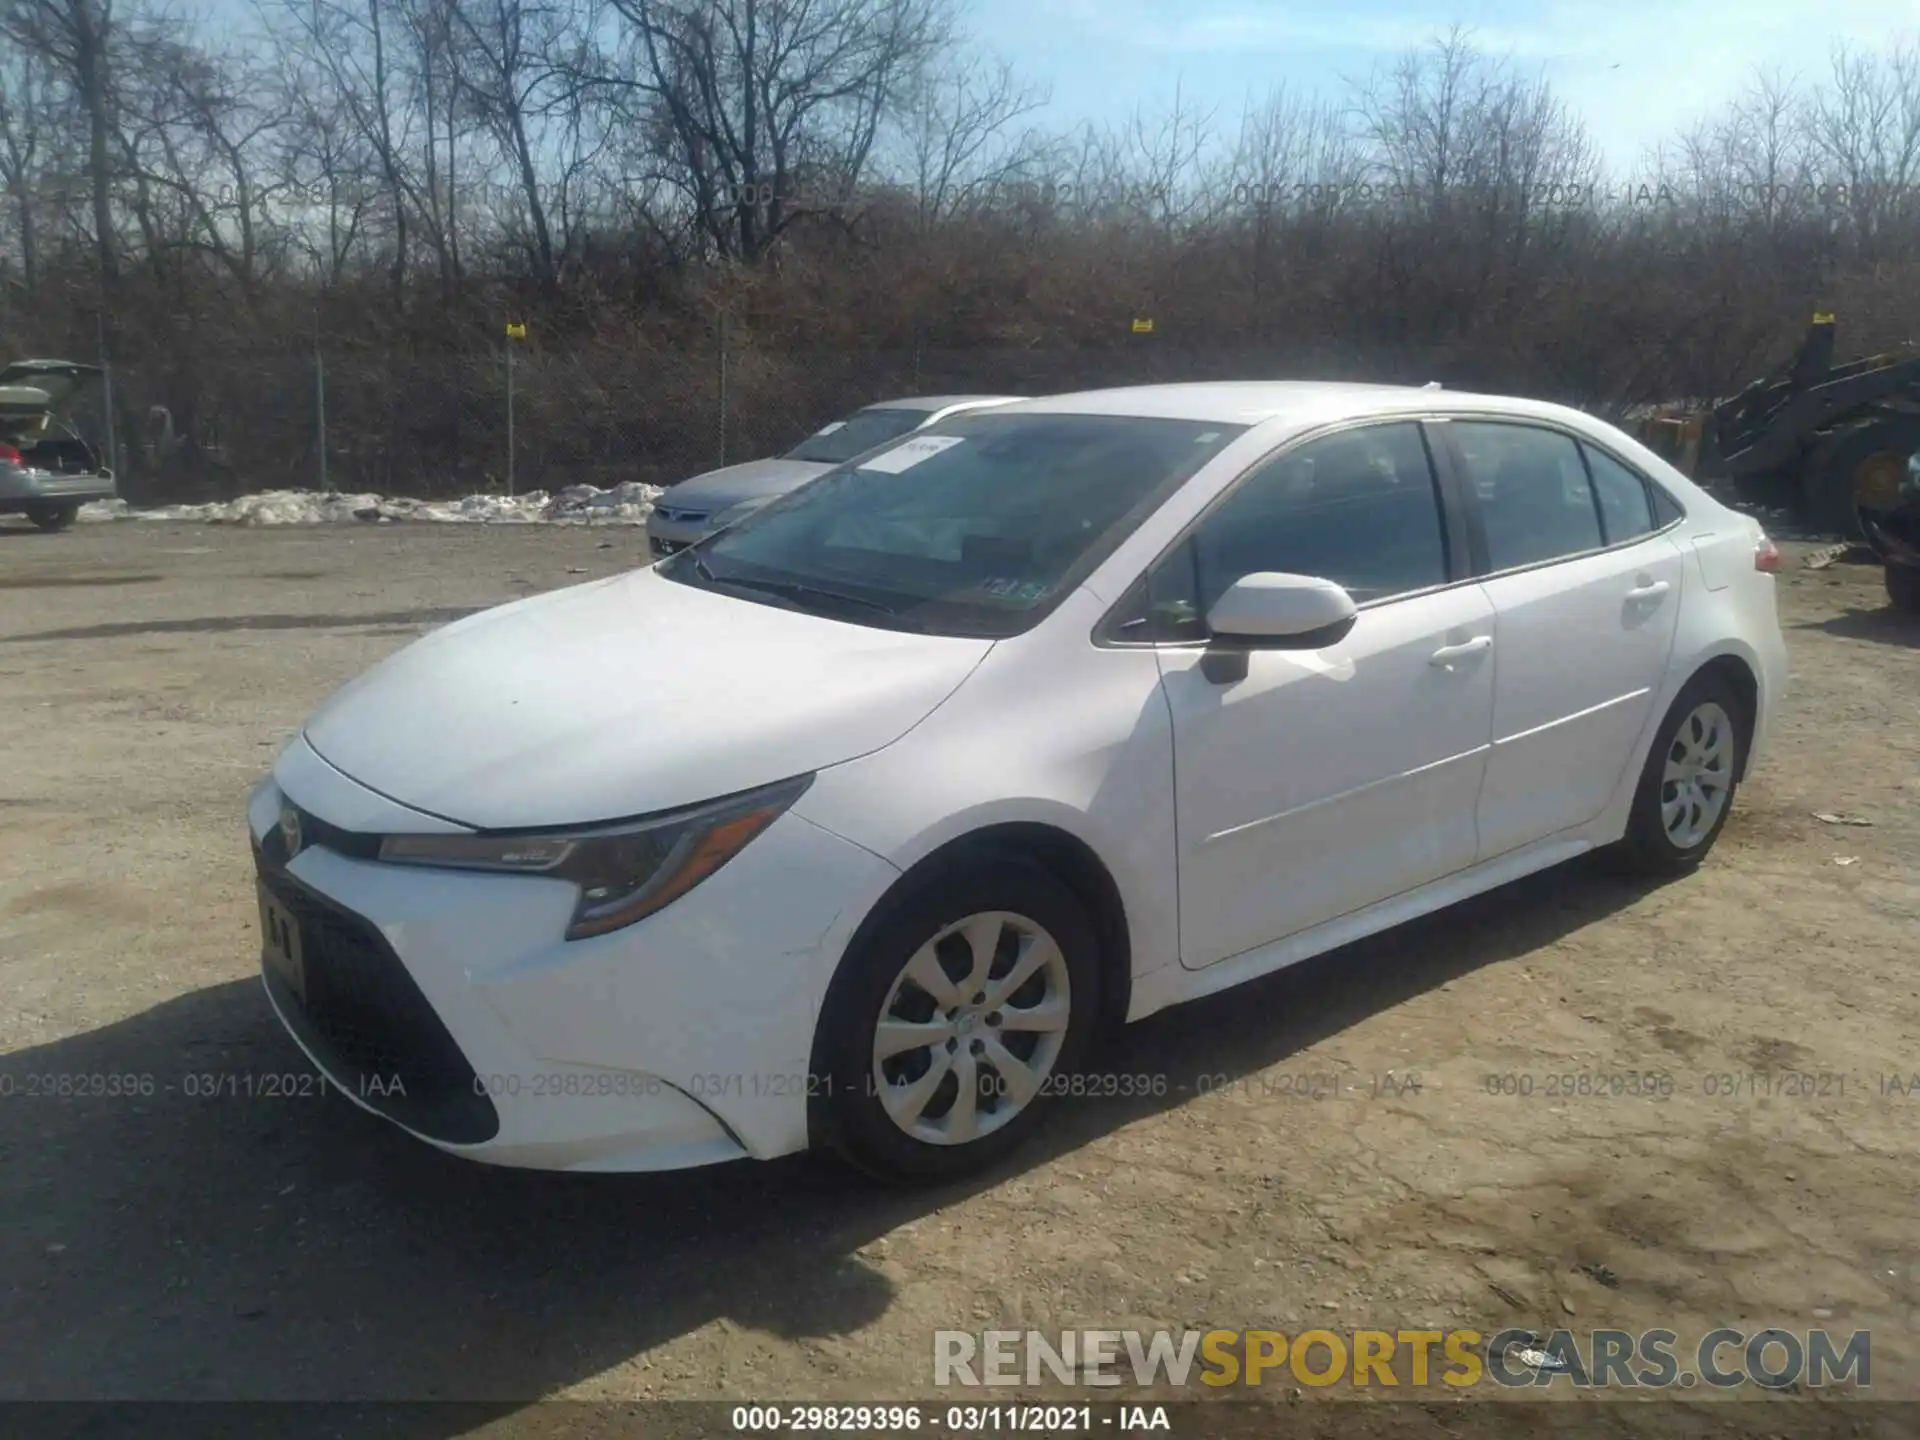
(435, 425)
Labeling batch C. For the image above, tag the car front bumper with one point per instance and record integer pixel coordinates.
(667, 537)
(1895, 534)
(21, 487)
(448, 1003)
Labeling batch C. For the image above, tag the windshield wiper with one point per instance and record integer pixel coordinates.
(792, 590)
(795, 593)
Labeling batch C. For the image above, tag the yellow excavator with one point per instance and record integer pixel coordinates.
(1838, 446)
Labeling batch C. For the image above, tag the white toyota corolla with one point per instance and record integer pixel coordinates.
(853, 825)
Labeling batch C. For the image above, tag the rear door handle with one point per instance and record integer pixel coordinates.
(1652, 590)
(1447, 654)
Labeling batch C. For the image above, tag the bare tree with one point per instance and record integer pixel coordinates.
(507, 47)
(76, 38)
(769, 109)
(959, 144)
(1160, 170)
(1753, 160)
(1864, 132)
(27, 139)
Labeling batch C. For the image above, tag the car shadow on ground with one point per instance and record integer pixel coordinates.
(221, 1245)
(1886, 625)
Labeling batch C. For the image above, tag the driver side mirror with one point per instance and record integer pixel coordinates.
(1270, 610)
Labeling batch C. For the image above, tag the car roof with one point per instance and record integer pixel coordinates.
(939, 402)
(1254, 402)
(24, 369)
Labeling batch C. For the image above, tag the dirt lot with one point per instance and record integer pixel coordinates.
(173, 1246)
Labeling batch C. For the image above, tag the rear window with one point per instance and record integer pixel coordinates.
(1535, 499)
(842, 440)
(1626, 510)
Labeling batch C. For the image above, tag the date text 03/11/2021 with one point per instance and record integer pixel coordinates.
(968, 1420)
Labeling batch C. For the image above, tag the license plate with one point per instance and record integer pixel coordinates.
(280, 944)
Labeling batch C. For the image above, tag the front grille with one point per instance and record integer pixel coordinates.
(682, 517)
(368, 1024)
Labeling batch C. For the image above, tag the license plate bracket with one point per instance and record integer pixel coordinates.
(280, 948)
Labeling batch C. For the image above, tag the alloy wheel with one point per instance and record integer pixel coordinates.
(971, 1028)
(1699, 775)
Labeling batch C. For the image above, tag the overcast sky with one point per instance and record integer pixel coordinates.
(1636, 71)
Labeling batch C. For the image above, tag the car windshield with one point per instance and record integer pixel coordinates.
(859, 432)
(977, 526)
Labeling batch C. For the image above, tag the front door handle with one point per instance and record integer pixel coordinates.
(1447, 654)
(1652, 590)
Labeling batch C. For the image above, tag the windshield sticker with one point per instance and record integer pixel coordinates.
(1013, 588)
(829, 429)
(909, 453)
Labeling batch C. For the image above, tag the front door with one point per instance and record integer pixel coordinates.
(1320, 781)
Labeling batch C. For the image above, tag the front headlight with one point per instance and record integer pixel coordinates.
(625, 871)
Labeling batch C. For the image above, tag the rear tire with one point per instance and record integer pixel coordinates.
(1858, 466)
(52, 517)
(1903, 588)
(1687, 786)
(877, 1100)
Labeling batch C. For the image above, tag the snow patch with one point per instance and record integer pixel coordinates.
(626, 504)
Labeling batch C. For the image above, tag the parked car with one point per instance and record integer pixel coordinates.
(696, 508)
(47, 472)
(1893, 528)
(854, 825)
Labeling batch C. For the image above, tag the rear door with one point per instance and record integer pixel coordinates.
(1586, 593)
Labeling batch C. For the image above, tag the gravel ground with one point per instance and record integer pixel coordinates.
(1330, 1149)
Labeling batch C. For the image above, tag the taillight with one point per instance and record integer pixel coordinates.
(9, 455)
(1766, 556)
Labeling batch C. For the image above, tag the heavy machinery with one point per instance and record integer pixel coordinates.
(1836, 445)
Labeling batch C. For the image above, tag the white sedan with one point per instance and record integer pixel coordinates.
(852, 826)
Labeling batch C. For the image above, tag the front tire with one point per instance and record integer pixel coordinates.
(52, 517)
(953, 1016)
(1687, 785)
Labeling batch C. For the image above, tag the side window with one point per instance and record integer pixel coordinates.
(1160, 607)
(1359, 508)
(1666, 509)
(1625, 510)
(1532, 489)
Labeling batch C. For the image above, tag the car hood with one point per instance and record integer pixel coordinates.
(626, 696)
(755, 480)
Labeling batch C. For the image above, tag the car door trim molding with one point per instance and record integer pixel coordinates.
(1385, 780)
(1576, 715)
